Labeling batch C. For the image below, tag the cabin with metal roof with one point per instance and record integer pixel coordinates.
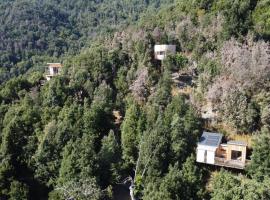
(210, 150)
(161, 51)
(53, 70)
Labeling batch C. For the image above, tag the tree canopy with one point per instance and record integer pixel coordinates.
(116, 115)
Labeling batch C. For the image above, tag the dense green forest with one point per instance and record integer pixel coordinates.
(33, 30)
(114, 116)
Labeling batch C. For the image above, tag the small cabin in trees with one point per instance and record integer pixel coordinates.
(53, 70)
(210, 150)
(161, 51)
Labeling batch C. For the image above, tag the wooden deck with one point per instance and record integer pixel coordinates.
(230, 163)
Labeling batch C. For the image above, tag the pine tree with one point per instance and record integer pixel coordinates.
(259, 167)
(130, 136)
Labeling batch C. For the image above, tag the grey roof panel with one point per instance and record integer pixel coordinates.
(234, 142)
(210, 139)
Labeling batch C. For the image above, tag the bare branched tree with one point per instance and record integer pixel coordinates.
(245, 72)
(245, 67)
(83, 189)
(139, 86)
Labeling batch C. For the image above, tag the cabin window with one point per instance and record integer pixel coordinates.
(236, 155)
(161, 53)
(55, 70)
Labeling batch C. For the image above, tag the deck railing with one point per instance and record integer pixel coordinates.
(230, 163)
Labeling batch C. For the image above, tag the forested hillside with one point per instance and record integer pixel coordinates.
(33, 30)
(115, 117)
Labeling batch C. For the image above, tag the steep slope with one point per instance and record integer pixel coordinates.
(52, 28)
(61, 140)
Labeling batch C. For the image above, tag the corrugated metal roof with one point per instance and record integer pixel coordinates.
(234, 142)
(210, 139)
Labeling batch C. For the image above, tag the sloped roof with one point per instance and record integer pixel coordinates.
(54, 64)
(238, 143)
(210, 139)
(165, 47)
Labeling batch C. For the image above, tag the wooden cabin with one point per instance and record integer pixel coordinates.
(210, 150)
(161, 51)
(53, 70)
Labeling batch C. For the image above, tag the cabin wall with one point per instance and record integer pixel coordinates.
(51, 72)
(161, 51)
(231, 148)
(200, 155)
(206, 154)
(210, 158)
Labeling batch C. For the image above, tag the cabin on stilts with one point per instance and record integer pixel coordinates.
(53, 70)
(210, 150)
(162, 51)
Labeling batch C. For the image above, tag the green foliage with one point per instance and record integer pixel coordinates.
(228, 186)
(169, 142)
(155, 149)
(12, 89)
(239, 112)
(193, 179)
(61, 139)
(209, 67)
(109, 158)
(78, 161)
(58, 27)
(184, 127)
(163, 94)
(237, 16)
(18, 191)
(177, 184)
(175, 62)
(261, 18)
(130, 134)
(260, 164)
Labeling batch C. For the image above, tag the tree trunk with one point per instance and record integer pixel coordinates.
(131, 191)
